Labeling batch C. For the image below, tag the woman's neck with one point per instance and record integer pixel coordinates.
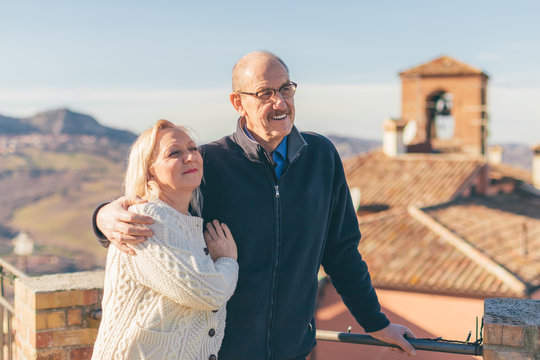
(177, 200)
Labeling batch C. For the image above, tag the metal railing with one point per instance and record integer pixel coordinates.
(8, 274)
(438, 345)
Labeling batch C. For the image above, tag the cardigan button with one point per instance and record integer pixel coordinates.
(212, 332)
(206, 251)
(212, 357)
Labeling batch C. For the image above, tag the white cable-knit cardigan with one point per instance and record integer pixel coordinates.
(168, 300)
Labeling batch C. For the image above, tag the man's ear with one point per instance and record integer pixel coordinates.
(236, 101)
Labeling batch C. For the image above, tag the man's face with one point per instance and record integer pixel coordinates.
(270, 120)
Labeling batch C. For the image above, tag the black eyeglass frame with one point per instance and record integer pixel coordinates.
(295, 85)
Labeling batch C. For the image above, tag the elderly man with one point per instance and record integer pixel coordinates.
(285, 198)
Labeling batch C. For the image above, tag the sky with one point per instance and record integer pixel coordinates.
(129, 63)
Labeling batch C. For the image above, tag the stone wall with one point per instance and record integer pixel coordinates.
(511, 329)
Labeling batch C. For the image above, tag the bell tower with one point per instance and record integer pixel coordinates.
(444, 105)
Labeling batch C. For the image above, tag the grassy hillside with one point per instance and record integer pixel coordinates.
(52, 195)
(60, 223)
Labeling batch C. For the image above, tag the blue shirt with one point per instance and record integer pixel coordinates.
(278, 155)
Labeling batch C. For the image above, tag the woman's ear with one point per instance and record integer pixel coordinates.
(150, 175)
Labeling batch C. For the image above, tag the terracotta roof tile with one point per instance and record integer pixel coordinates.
(443, 65)
(466, 247)
(505, 227)
(418, 179)
(404, 254)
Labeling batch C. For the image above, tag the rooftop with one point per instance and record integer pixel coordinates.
(417, 179)
(423, 230)
(443, 65)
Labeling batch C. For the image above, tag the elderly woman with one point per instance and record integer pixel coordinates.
(168, 300)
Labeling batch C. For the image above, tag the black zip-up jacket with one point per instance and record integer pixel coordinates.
(284, 230)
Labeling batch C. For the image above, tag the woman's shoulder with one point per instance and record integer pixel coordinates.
(155, 210)
(163, 213)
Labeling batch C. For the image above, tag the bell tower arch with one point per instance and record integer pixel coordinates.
(447, 101)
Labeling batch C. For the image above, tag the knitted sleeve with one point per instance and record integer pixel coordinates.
(172, 270)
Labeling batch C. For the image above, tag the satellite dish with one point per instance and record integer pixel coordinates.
(409, 132)
(356, 195)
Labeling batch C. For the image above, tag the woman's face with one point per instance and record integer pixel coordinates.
(178, 165)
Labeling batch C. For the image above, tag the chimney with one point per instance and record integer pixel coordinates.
(536, 166)
(393, 137)
(495, 154)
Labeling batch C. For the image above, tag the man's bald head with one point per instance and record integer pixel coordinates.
(244, 67)
(268, 120)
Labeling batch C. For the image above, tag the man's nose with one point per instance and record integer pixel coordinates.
(279, 102)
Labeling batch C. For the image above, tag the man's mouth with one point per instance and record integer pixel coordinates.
(279, 117)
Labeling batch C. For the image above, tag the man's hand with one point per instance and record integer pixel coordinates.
(121, 226)
(393, 334)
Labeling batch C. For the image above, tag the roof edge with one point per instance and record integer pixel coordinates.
(464, 69)
(506, 276)
(469, 180)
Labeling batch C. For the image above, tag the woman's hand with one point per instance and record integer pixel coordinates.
(220, 241)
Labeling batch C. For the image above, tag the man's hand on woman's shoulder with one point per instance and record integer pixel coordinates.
(121, 226)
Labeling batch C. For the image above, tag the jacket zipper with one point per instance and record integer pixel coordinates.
(273, 291)
(274, 273)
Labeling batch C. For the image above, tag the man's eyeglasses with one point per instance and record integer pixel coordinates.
(286, 91)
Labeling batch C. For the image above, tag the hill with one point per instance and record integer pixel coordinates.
(56, 167)
(62, 122)
(519, 155)
(349, 146)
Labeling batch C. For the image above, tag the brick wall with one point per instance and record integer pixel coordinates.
(53, 322)
(511, 329)
(468, 107)
(52, 315)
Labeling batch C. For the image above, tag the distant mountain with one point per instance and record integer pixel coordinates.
(14, 126)
(62, 122)
(349, 146)
(519, 155)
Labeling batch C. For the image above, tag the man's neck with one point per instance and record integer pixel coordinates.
(268, 146)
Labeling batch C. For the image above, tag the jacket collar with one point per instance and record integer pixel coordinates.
(255, 152)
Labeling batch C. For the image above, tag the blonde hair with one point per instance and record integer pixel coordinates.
(137, 180)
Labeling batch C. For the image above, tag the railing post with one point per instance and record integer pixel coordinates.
(511, 329)
(51, 315)
(2, 311)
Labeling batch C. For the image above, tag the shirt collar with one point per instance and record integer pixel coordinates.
(248, 133)
(281, 149)
(295, 142)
